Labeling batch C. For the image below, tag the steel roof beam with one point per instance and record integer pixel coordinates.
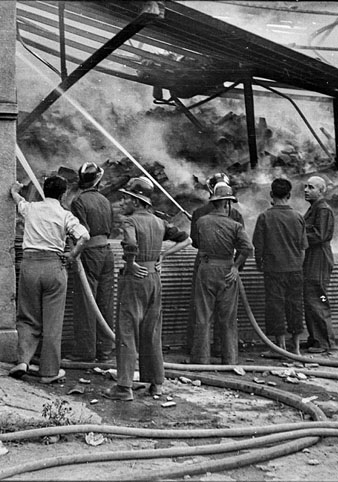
(128, 32)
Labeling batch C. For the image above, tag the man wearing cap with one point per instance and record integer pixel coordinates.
(280, 241)
(95, 212)
(318, 265)
(198, 213)
(139, 323)
(216, 288)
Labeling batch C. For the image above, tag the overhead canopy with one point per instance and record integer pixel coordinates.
(187, 52)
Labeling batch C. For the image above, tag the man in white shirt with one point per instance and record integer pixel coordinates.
(43, 277)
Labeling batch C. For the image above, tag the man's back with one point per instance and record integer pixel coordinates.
(280, 239)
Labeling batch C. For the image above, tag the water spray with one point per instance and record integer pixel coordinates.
(103, 131)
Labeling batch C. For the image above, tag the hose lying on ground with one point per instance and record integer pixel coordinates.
(305, 437)
(281, 396)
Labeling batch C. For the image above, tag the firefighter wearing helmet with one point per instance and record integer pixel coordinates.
(139, 320)
(95, 212)
(198, 213)
(216, 284)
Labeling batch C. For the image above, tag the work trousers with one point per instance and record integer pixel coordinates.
(41, 303)
(192, 314)
(283, 302)
(318, 314)
(139, 330)
(90, 340)
(214, 295)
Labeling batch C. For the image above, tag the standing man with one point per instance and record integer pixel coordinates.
(216, 288)
(280, 241)
(198, 213)
(318, 266)
(95, 212)
(43, 277)
(139, 323)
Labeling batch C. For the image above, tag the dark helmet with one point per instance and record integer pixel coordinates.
(223, 191)
(139, 187)
(213, 180)
(89, 175)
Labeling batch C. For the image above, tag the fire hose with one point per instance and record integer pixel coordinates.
(306, 438)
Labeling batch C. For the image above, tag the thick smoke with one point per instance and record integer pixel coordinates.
(164, 140)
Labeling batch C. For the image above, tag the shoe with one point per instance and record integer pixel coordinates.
(125, 394)
(18, 371)
(59, 376)
(155, 390)
(314, 349)
(77, 358)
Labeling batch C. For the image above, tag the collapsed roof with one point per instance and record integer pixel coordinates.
(186, 52)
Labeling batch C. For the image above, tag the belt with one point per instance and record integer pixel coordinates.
(206, 258)
(98, 241)
(150, 265)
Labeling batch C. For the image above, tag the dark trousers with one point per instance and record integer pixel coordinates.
(90, 341)
(213, 295)
(41, 304)
(318, 314)
(283, 303)
(139, 330)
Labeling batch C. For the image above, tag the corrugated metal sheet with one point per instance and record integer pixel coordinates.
(176, 283)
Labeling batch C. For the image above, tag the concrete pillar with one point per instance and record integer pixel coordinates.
(8, 115)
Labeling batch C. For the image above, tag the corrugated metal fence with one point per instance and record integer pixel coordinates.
(176, 281)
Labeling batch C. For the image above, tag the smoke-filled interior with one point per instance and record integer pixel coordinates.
(174, 151)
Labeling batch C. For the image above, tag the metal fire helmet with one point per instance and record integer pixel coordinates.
(222, 190)
(90, 175)
(140, 188)
(213, 180)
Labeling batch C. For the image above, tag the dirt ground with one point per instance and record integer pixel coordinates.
(195, 407)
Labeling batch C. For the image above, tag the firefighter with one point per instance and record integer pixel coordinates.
(139, 321)
(95, 212)
(199, 212)
(216, 288)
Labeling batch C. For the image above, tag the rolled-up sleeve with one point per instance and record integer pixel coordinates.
(74, 227)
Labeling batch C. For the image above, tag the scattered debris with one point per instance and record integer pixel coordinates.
(184, 380)
(301, 376)
(168, 404)
(84, 380)
(3, 450)
(313, 462)
(196, 383)
(94, 439)
(76, 389)
(169, 399)
(51, 439)
(293, 380)
(239, 371)
(309, 399)
(258, 380)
